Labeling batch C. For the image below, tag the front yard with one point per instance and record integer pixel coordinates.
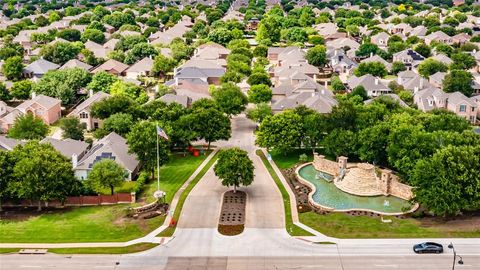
(98, 223)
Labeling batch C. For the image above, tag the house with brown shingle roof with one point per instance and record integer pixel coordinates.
(113, 67)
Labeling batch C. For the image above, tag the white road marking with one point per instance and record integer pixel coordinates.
(30, 266)
(386, 265)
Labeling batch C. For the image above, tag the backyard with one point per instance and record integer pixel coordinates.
(98, 223)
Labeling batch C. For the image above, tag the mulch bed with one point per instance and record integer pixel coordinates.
(232, 215)
(230, 230)
(300, 190)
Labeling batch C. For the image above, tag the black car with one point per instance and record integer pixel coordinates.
(428, 247)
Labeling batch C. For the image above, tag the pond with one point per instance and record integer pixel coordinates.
(327, 194)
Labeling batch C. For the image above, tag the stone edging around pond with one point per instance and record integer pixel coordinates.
(330, 209)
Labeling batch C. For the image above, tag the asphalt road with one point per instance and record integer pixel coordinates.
(331, 262)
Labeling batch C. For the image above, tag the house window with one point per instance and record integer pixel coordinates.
(83, 115)
(430, 102)
(473, 109)
(463, 108)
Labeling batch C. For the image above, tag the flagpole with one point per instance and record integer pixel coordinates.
(158, 166)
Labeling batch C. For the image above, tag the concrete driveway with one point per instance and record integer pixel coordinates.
(264, 201)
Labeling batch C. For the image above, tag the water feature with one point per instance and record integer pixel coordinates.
(327, 194)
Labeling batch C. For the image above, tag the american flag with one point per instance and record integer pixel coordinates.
(161, 133)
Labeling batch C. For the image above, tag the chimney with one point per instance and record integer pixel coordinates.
(335, 52)
(421, 83)
(376, 81)
(415, 89)
(323, 92)
(371, 54)
(34, 95)
(74, 160)
(90, 93)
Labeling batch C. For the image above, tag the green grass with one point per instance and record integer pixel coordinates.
(178, 210)
(126, 187)
(104, 250)
(286, 161)
(99, 223)
(8, 250)
(292, 229)
(345, 226)
(177, 168)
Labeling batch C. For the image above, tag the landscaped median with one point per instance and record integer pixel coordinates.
(97, 223)
(168, 232)
(292, 229)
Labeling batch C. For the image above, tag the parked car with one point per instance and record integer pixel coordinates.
(428, 247)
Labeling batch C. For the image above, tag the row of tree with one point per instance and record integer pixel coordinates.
(386, 134)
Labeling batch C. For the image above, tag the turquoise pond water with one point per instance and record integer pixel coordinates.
(327, 194)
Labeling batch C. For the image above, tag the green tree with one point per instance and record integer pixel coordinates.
(462, 61)
(317, 55)
(337, 84)
(359, 91)
(259, 93)
(62, 84)
(259, 78)
(220, 36)
(93, 35)
(28, 127)
(281, 131)
(234, 168)
(340, 142)
(112, 105)
(106, 173)
(162, 65)
(398, 67)
(423, 49)
(102, 81)
(142, 141)
(72, 128)
(60, 52)
(212, 125)
(53, 17)
(13, 68)
(431, 66)
(4, 93)
(452, 173)
(138, 52)
(119, 123)
(6, 175)
(21, 89)
(260, 112)
(376, 69)
(43, 173)
(458, 80)
(121, 88)
(230, 99)
(366, 49)
(69, 34)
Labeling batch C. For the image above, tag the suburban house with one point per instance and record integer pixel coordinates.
(113, 67)
(439, 37)
(46, 108)
(67, 147)
(38, 68)
(113, 147)
(83, 110)
(373, 85)
(100, 51)
(377, 58)
(340, 62)
(74, 63)
(410, 58)
(7, 144)
(205, 72)
(321, 102)
(140, 69)
(183, 100)
(433, 98)
(380, 39)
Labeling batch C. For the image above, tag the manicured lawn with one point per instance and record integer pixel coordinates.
(286, 161)
(345, 226)
(168, 232)
(105, 250)
(292, 229)
(99, 223)
(8, 250)
(126, 187)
